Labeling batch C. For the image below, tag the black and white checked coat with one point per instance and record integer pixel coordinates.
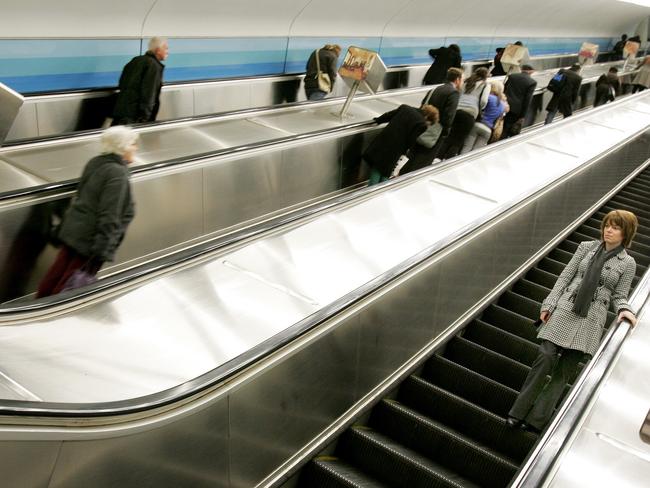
(569, 330)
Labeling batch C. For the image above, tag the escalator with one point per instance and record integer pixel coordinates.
(445, 425)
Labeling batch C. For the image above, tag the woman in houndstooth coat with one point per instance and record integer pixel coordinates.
(574, 314)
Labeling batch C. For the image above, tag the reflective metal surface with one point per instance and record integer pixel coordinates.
(10, 103)
(178, 325)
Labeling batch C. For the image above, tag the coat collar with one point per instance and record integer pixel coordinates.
(620, 255)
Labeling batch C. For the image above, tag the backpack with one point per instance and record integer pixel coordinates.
(556, 83)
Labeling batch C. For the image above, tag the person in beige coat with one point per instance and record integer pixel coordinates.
(642, 78)
(574, 315)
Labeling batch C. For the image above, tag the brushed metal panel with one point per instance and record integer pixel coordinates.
(168, 211)
(57, 162)
(233, 133)
(10, 101)
(223, 97)
(515, 237)
(176, 102)
(25, 124)
(28, 464)
(280, 410)
(193, 451)
(164, 144)
(58, 116)
(13, 179)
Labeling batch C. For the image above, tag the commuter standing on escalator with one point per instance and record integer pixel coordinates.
(565, 86)
(320, 73)
(574, 315)
(102, 208)
(140, 85)
(607, 87)
(443, 59)
(519, 90)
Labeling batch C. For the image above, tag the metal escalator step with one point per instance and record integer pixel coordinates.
(643, 218)
(542, 277)
(639, 191)
(501, 341)
(640, 207)
(488, 363)
(334, 473)
(531, 290)
(518, 303)
(470, 385)
(593, 234)
(551, 266)
(510, 321)
(465, 417)
(560, 255)
(442, 444)
(636, 196)
(394, 464)
(569, 246)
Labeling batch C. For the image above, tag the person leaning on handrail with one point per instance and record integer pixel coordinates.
(574, 314)
(328, 57)
(102, 208)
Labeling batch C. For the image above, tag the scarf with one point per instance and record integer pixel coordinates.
(591, 279)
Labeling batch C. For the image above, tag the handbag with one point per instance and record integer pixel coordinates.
(430, 136)
(324, 82)
(497, 131)
(80, 277)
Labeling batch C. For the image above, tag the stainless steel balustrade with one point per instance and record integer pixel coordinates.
(46, 115)
(323, 314)
(193, 178)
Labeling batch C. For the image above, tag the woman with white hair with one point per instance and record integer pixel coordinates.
(94, 225)
(496, 107)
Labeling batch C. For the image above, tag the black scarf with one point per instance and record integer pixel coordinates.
(591, 279)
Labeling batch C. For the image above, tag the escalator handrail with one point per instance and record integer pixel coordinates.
(551, 446)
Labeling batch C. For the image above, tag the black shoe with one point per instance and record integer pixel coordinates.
(513, 423)
(530, 428)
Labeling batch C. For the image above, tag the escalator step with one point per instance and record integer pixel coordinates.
(500, 341)
(640, 207)
(531, 290)
(520, 304)
(465, 417)
(643, 219)
(327, 472)
(568, 246)
(590, 232)
(488, 363)
(510, 321)
(560, 255)
(396, 465)
(541, 277)
(468, 384)
(551, 266)
(445, 446)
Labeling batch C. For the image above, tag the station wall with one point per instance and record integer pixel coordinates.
(70, 44)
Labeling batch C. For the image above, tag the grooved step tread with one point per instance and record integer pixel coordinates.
(328, 472)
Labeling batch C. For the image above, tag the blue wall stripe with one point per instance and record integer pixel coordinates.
(34, 65)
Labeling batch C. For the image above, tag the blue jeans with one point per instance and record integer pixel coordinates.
(316, 95)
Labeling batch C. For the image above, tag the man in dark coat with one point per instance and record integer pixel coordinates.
(443, 59)
(445, 99)
(405, 124)
(140, 85)
(564, 97)
(607, 87)
(497, 69)
(618, 48)
(519, 90)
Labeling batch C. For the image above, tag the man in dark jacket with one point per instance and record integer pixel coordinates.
(607, 87)
(328, 57)
(140, 85)
(445, 99)
(618, 48)
(443, 59)
(405, 124)
(519, 90)
(566, 95)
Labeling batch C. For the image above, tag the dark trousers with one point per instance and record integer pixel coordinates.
(538, 396)
(460, 129)
(67, 262)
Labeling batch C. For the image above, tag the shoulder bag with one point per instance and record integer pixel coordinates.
(324, 82)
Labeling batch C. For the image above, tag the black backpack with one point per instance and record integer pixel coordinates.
(557, 82)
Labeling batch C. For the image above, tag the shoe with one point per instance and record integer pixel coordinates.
(530, 428)
(513, 423)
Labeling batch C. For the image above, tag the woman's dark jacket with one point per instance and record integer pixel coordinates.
(95, 223)
(405, 124)
(568, 93)
(328, 60)
(444, 58)
(140, 85)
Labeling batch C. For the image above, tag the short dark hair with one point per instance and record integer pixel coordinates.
(613, 70)
(527, 67)
(575, 67)
(453, 74)
(519, 43)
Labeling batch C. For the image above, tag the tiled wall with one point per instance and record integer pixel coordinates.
(30, 65)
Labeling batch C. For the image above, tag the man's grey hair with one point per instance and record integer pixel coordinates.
(117, 140)
(156, 42)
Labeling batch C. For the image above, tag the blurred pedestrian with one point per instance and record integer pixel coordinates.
(320, 75)
(443, 59)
